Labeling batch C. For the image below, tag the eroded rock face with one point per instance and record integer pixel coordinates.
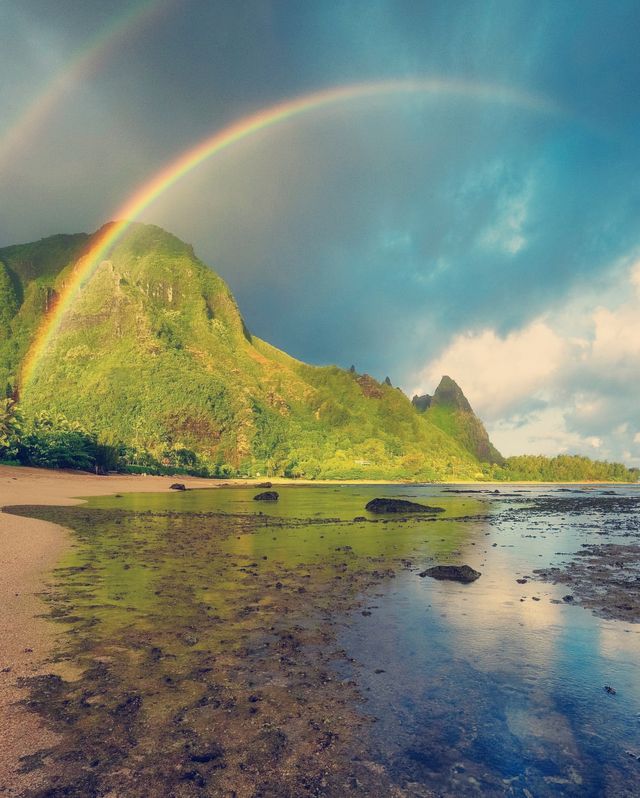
(399, 506)
(455, 573)
(422, 403)
(266, 496)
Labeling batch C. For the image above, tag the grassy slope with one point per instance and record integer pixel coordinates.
(155, 353)
(28, 274)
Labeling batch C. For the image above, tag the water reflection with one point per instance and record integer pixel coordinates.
(492, 689)
(482, 690)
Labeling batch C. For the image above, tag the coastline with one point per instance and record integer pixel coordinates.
(29, 550)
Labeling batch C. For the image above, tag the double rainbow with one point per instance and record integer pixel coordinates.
(84, 62)
(230, 136)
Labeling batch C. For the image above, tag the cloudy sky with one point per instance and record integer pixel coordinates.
(491, 234)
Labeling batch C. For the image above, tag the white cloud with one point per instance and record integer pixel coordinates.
(567, 382)
(498, 373)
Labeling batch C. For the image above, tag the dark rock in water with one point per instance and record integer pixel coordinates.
(567, 599)
(456, 573)
(177, 486)
(264, 485)
(399, 506)
(267, 496)
(207, 753)
(609, 689)
(359, 518)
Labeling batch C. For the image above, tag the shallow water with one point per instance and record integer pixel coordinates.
(476, 689)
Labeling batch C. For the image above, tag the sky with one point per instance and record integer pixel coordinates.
(492, 235)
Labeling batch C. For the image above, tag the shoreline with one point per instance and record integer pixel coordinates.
(29, 550)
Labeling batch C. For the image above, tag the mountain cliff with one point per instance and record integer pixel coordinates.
(155, 358)
(449, 410)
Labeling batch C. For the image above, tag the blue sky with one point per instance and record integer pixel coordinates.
(412, 236)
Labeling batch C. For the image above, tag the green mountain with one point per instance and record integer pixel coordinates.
(155, 358)
(155, 363)
(450, 411)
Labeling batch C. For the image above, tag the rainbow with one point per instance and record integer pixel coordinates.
(228, 137)
(84, 62)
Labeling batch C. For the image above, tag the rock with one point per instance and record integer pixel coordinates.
(609, 689)
(421, 403)
(267, 496)
(359, 518)
(456, 573)
(264, 485)
(399, 506)
(521, 581)
(177, 486)
(567, 599)
(208, 753)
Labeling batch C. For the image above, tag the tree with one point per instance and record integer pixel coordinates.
(52, 441)
(10, 428)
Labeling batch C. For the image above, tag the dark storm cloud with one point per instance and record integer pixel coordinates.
(373, 233)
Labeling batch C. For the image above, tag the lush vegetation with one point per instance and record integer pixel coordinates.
(153, 370)
(563, 468)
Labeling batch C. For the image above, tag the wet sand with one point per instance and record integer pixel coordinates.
(29, 549)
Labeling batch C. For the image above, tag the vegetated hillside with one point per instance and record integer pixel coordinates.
(155, 362)
(28, 273)
(450, 411)
(155, 357)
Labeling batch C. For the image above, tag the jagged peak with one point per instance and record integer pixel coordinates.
(449, 394)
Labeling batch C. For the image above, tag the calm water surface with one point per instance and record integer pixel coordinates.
(494, 688)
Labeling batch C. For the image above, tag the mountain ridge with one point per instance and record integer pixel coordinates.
(155, 361)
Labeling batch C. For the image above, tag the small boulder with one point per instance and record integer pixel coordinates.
(267, 496)
(399, 506)
(177, 486)
(264, 485)
(455, 573)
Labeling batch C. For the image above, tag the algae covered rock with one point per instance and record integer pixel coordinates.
(454, 573)
(399, 506)
(266, 496)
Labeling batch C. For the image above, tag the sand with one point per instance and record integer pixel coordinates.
(29, 549)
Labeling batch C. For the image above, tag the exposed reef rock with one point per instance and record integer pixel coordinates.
(399, 506)
(454, 573)
(266, 496)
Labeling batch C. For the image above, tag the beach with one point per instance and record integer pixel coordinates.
(29, 549)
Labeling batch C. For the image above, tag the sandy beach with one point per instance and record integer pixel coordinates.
(29, 549)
